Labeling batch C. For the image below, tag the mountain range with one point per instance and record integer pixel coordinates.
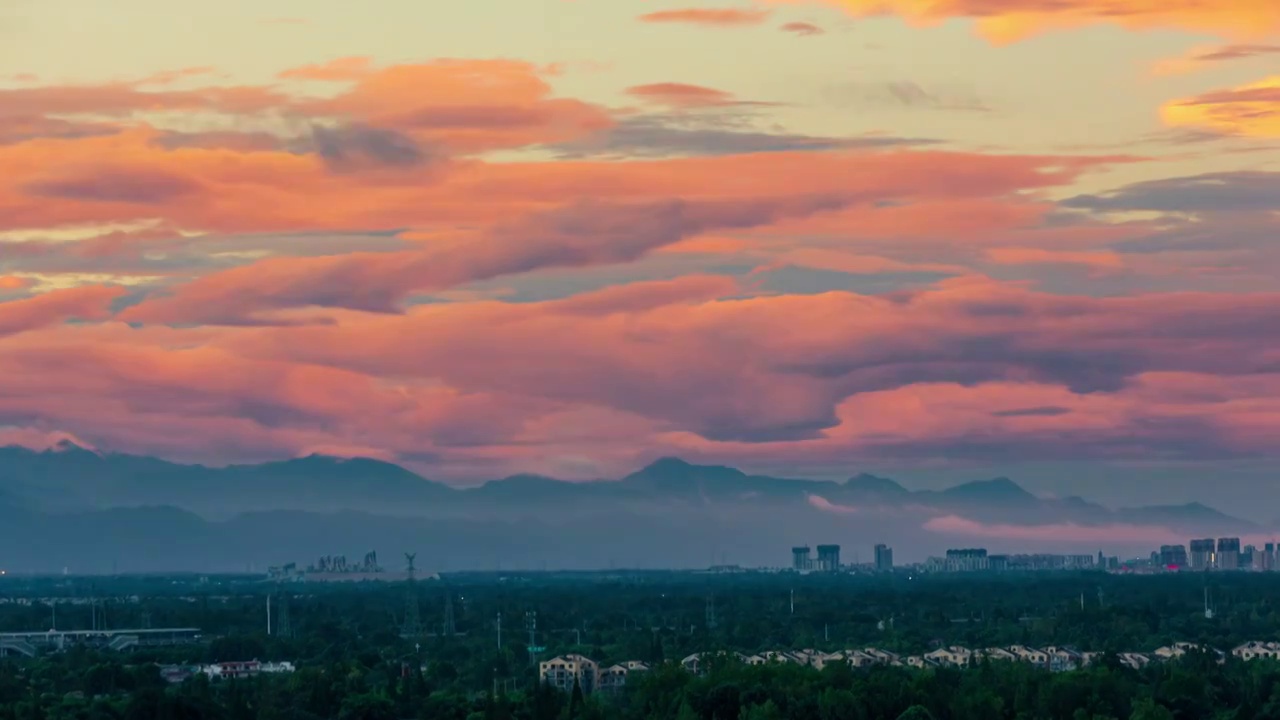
(76, 508)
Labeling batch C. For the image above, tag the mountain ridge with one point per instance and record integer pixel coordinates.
(125, 480)
(76, 509)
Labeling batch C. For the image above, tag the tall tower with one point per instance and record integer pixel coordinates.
(412, 622)
(531, 624)
(711, 613)
(449, 628)
(800, 560)
(283, 627)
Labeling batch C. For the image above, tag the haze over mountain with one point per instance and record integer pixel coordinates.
(76, 508)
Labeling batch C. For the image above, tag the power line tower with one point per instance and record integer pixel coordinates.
(412, 627)
(531, 624)
(450, 628)
(283, 627)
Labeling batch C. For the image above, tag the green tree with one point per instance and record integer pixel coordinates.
(916, 712)
(1148, 709)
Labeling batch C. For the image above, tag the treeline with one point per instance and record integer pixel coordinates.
(81, 686)
(660, 617)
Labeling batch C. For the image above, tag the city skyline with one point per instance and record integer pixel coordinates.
(935, 242)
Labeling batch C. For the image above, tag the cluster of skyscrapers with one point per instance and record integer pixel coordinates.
(977, 559)
(1205, 554)
(1220, 554)
(828, 559)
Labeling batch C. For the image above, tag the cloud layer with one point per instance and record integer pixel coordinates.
(462, 265)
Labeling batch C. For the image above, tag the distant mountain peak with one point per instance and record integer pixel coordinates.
(668, 464)
(672, 474)
(69, 447)
(1001, 488)
(865, 482)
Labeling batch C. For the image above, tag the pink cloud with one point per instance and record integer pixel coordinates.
(827, 506)
(728, 17)
(1070, 533)
(36, 439)
(84, 303)
(803, 29)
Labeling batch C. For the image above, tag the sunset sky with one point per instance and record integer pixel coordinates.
(931, 239)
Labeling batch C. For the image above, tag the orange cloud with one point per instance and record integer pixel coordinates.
(1005, 21)
(465, 105)
(964, 372)
(802, 28)
(681, 95)
(1200, 57)
(974, 367)
(574, 236)
(84, 303)
(1252, 110)
(11, 283)
(339, 70)
(727, 17)
(633, 217)
(1101, 260)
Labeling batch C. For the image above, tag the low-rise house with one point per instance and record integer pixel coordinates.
(784, 656)
(178, 673)
(1136, 661)
(954, 656)
(614, 678)
(1030, 654)
(237, 669)
(1063, 658)
(996, 653)
(883, 656)
(917, 661)
(1178, 649)
(1254, 649)
(564, 671)
(859, 658)
(1169, 652)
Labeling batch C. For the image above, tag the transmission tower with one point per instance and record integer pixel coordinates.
(531, 624)
(449, 627)
(283, 628)
(412, 627)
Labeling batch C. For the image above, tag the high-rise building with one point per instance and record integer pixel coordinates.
(966, 560)
(1202, 554)
(800, 560)
(884, 558)
(828, 558)
(1173, 555)
(1269, 557)
(1228, 557)
(1250, 558)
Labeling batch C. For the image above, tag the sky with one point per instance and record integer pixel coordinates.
(931, 240)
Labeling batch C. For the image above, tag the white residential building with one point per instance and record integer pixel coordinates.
(954, 656)
(562, 672)
(1254, 649)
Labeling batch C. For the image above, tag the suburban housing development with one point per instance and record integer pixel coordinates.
(566, 671)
